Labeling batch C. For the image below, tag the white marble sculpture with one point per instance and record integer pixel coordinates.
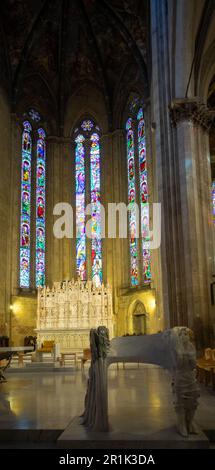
(68, 311)
(172, 350)
(185, 388)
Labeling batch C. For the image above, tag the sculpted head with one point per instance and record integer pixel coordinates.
(183, 335)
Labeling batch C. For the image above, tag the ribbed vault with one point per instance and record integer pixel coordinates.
(70, 42)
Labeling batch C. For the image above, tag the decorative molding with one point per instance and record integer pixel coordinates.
(26, 291)
(193, 110)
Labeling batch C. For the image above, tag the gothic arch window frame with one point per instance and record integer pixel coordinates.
(137, 180)
(35, 244)
(87, 150)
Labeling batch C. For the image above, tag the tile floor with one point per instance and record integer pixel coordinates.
(49, 400)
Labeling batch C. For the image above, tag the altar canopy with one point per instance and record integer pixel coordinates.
(67, 311)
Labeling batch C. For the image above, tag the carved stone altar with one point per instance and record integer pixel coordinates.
(67, 311)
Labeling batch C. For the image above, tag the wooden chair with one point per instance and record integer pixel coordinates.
(86, 357)
(47, 347)
(69, 356)
(208, 354)
(206, 368)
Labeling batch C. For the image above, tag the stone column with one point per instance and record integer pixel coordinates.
(16, 136)
(121, 260)
(6, 198)
(112, 183)
(68, 190)
(182, 184)
(106, 196)
(191, 121)
(165, 174)
(120, 186)
(54, 194)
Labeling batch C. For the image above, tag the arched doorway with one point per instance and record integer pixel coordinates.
(139, 319)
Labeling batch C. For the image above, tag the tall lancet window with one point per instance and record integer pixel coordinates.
(40, 208)
(144, 207)
(81, 253)
(87, 158)
(213, 200)
(33, 199)
(132, 201)
(138, 193)
(25, 222)
(95, 208)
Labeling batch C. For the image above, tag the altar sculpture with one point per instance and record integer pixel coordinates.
(172, 350)
(67, 311)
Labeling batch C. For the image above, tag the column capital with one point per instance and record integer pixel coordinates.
(193, 110)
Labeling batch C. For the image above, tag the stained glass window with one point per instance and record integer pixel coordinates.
(32, 240)
(87, 125)
(25, 221)
(213, 200)
(87, 155)
(144, 207)
(132, 200)
(34, 115)
(138, 191)
(40, 208)
(80, 207)
(96, 210)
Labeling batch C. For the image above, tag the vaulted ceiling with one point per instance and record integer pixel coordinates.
(51, 47)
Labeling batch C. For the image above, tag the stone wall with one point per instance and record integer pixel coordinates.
(23, 318)
(5, 165)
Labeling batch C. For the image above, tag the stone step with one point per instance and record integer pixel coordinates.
(35, 365)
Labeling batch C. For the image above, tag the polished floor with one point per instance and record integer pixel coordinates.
(49, 400)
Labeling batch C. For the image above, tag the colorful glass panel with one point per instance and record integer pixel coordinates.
(213, 200)
(80, 207)
(132, 200)
(144, 207)
(95, 209)
(40, 208)
(87, 125)
(34, 115)
(25, 219)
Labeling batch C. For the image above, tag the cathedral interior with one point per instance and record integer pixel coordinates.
(108, 103)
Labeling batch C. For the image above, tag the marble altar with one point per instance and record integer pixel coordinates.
(67, 311)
